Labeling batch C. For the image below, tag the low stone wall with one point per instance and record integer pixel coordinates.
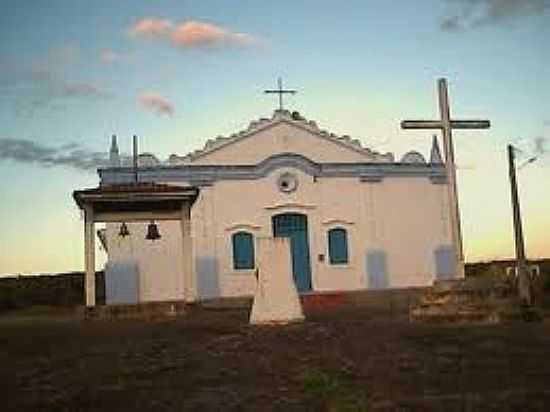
(65, 289)
(388, 302)
(394, 303)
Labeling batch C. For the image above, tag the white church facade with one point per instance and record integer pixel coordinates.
(356, 219)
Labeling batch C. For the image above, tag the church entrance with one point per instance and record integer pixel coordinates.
(294, 226)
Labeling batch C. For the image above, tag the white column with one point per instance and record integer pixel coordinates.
(89, 255)
(189, 290)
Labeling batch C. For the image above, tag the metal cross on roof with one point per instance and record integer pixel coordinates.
(280, 91)
(446, 125)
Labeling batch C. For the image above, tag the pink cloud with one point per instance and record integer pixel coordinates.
(191, 34)
(156, 103)
(152, 28)
(199, 34)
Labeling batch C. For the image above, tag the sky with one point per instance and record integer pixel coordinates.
(177, 73)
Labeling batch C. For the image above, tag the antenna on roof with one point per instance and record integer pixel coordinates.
(135, 159)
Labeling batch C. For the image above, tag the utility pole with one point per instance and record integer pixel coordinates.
(135, 159)
(524, 283)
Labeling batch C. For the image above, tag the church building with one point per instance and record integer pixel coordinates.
(356, 218)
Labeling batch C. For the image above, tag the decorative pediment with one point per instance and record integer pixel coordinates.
(293, 120)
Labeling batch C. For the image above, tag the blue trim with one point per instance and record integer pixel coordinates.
(445, 263)
(121, 282)
(202, 175)
(338, 246)
(376, 270)
(294, 226)
(207, 275)
(243, 250)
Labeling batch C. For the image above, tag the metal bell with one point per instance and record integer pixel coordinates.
(152, 231)
(123, 231)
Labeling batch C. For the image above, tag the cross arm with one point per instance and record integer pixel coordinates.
(470, 124)
(421, 124)
(436, 124)
(280, 91)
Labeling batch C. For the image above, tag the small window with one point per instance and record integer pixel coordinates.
(243, 250)
(338, 246)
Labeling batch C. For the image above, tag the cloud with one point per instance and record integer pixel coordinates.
(85, 90)
(191, 34)
(477, 13)
(27, 86)
(69, 155)
(199, 34)
(111, 56)
(151, 28)
(451, 23)
(156, 103)
(38, 85)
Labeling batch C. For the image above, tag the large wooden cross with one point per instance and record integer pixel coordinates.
(446, 125)
(280, 91)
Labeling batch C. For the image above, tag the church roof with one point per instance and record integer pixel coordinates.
(134, 193)
(139, 187)
(280, 116)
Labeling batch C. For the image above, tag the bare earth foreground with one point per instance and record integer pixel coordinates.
(213, 360)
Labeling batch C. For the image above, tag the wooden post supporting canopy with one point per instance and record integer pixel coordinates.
(89, 255)
(137, 202)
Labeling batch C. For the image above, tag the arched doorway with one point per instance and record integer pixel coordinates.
(294, 226)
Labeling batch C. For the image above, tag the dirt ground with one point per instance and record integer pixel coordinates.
(213, 360)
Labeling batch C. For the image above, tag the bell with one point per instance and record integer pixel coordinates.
(152, 231)
(123, 231)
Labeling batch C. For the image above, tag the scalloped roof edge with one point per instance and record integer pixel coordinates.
(280, 116)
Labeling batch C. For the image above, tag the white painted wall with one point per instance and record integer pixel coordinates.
(405, 219)
(159, 263)
(402, 218)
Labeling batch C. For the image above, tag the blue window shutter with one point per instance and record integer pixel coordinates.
(338, 246)
(243, 250)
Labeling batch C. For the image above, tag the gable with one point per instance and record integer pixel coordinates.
(282, 134)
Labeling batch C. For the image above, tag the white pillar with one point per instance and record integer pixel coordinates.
(276, 299)
(89, 255)
(189, 290)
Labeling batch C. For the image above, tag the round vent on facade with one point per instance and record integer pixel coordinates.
(287, 183)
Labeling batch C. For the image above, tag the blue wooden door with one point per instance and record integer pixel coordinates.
(294, 226)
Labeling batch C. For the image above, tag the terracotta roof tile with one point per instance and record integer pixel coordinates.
(136, 187)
